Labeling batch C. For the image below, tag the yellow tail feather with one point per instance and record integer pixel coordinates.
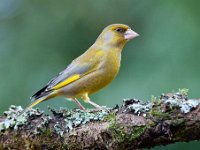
(37, 101)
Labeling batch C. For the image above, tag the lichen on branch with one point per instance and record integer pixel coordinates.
(172, 117)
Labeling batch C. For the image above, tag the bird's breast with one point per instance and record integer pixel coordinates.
(107, 72)
(111, 64)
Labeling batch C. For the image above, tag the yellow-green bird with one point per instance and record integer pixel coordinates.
(91, 71)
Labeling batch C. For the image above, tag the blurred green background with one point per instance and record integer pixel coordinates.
(40, 38)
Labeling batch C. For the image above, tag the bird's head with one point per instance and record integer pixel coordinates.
(116, 35)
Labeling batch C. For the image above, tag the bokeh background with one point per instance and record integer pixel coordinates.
(40, 38)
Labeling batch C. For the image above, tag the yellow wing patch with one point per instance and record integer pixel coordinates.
(67, 81)
(100, 53)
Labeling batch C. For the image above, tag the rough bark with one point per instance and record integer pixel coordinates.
(171, 118)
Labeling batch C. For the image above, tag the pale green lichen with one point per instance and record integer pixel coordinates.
(68, 119)
(184, 105)
(76, 118)
(153, 98)
(10, 121)
(137, 107)
(157, 107)
(58, 129)
(183, 91)
(14, 120)
(189, 105)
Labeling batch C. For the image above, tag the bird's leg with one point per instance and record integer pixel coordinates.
(94, 104)
(79, 104)
(87, 100)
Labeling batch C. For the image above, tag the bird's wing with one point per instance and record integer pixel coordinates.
(70, 74)
(76, 70)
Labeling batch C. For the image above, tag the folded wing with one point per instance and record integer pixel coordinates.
(73, 72)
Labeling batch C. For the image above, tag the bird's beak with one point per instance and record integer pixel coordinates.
(130, 34)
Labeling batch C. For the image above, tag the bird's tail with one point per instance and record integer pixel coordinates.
(39, 100)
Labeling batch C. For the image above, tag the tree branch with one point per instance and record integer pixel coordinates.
(135, 125)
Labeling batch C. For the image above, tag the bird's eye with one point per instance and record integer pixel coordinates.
(120, 30)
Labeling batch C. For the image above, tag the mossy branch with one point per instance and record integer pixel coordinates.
(171, 118)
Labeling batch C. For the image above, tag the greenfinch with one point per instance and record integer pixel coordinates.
(91, 71)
